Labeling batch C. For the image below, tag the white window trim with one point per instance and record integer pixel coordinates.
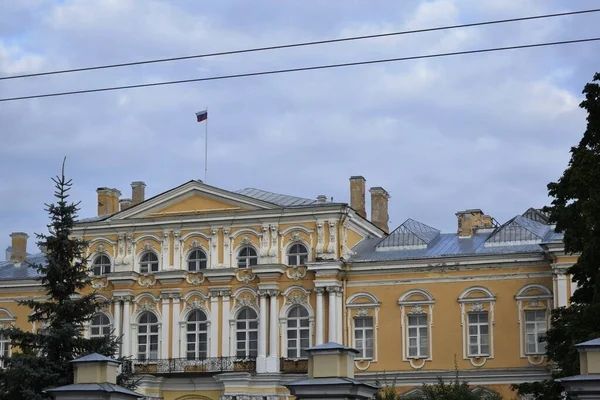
(360, 315)
(135, 329)
(237, 254)
(476, 304)
(184, 342)
(88, 324)
(295, 295)
(200, 303)
(416, 307)
(111, 263)
(532, 303)
(479, 334)
(144, 303)
(288, 248)
(181, 251)
(370, 307)
(234, 331)
(418, 337)
(285, 328)
(139, 261)
(187, 257)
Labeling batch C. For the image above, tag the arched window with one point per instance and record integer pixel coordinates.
(297, 254)
(4, 349)
(197, 335)
(196, 261)
(99, 326)
(148, 337)
(297, 332)
(148, 263)
(247, 257)
(101, 265)
(247, 333)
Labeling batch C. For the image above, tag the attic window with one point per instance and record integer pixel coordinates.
(518, 231)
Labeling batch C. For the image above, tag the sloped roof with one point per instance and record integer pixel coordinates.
(10, 270)
(537, 215)
(518, 230)
(283, 200)
(411, 234)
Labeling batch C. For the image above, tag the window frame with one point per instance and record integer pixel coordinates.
(5, 349)
(248, 263)
(416, 302)
(536, 331)
(149, 263)
(197, 332)
(298, 256)
(102, 266)
(247, 330)
(533, 297)
(363, 304)
(100, 327)
(418, 337)
(299, 330)
(197, 261)
(147, 354)
(472, 300)
(364, 348)
(479, 335)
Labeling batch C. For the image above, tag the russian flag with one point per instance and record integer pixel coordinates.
(202, 115)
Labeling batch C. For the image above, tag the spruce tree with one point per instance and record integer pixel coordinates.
(575, 210)
(41, 360)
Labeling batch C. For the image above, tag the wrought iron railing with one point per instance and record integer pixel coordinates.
(293, 366)
(199, 365)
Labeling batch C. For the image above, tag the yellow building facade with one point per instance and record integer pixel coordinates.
(216, 294)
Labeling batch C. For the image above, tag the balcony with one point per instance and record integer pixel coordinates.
(202, 366)
(293, 366)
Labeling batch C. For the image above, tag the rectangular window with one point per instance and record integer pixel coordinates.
(478, 330)
(535, 329)
(363, 336)
(417, 336)
(4, 347)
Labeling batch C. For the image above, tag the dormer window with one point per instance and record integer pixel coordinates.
(247, 257)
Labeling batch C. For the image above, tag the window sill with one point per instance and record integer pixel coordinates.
(364, 359)
(417, 357)
(478, 356)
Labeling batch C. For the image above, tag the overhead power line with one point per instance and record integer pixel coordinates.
(303, 44)
(311, 68)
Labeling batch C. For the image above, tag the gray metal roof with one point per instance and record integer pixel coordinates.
(331, 346)
(538, 215)
(94, 387)
(94, 219)
(591, 343)
(410, 234)
(329, 382)
(10, 270)
(283, 200)
(519, 229)
(94, 357)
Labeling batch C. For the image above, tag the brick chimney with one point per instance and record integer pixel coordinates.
(470, 220)
(108, 200)
(125, 204)
(138, 192)
(357, 195)
(379, 208)
(19, 247)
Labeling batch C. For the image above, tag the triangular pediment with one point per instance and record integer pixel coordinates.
(192, 198)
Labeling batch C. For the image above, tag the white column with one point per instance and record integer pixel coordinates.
(262, 334)
(164, 322)
(225, 325)
(214, 324)
(339, 320)
(332, 337)
(175, 328)
(562, 292)
(320, 316)
(273, 359)
(126, 347)
(117, 322)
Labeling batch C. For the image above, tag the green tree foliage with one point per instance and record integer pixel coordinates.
(575, 210)
(41, 360)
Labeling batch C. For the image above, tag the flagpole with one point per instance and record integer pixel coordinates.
(206, 146)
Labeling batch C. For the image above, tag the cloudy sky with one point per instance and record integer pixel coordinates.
(482, 131)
